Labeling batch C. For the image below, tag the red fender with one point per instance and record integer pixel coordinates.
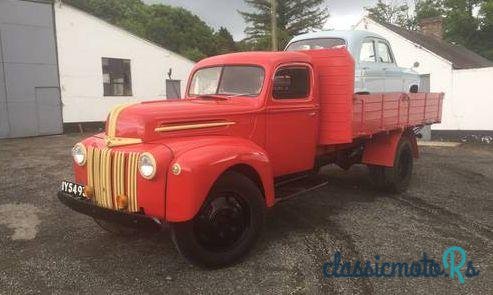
(202, 164)
(381, 148)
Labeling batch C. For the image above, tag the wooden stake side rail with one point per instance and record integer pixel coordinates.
(379, 112)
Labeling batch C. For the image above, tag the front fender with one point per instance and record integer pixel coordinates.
(202, 164)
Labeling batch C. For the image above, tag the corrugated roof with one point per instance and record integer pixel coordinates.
(458, 55)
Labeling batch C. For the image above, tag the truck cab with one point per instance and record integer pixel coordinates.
(376, 67)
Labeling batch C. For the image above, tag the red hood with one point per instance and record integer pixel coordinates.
(140, 120)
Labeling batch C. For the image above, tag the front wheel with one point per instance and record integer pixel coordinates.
(227, 225)
(395, 179)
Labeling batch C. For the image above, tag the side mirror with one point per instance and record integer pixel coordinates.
(416, 64)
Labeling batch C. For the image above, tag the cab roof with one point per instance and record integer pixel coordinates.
(267, 59)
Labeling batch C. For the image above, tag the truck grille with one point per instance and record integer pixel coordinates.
(112, 173)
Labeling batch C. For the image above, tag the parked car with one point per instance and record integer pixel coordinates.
(376, 68)
(249, 134)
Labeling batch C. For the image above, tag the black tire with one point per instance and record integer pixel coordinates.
(116, 228)
(395, 179)
(227, 225)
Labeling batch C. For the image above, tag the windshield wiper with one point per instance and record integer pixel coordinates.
(241, 94)
(211, 96)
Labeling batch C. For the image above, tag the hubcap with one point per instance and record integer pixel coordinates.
(222, 223)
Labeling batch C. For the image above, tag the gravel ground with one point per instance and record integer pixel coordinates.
(47, 248)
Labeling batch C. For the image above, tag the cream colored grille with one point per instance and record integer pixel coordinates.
(112, 173)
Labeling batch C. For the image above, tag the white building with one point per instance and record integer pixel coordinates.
(465, 77)
(102, 65)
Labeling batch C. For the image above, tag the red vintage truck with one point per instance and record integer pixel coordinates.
(249, 134)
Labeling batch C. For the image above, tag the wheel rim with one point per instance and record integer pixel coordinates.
(223, 222)
(405, 164)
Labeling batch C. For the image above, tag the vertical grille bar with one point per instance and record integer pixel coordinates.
(97, 185)
(132, 181)
(108, 196)
(90, 166)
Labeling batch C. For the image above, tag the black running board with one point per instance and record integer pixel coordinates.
(297, 186)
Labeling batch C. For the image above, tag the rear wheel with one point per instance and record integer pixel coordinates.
(226, 226)
(397, 178)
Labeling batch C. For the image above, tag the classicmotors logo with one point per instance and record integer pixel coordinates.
(453, 265)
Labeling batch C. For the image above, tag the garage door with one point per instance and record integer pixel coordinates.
(29, 91)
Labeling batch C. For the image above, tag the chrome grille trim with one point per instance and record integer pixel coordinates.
(112, 173)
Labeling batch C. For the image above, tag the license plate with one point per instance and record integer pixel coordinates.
(77, 190)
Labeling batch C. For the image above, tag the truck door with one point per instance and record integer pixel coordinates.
(370, 72)
(392, 73)
(292, 121)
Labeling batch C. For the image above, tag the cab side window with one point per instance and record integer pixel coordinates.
(384, 54)
(367, 52)
(291, 83)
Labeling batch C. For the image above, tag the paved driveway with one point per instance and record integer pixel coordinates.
(47, 248)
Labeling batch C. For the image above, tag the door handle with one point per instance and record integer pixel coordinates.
(312, 114)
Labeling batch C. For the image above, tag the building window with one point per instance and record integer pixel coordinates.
(291, 83)
(117, 80)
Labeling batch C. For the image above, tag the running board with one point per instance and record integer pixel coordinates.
(289, 189)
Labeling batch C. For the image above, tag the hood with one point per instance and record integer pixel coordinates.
(141, 120)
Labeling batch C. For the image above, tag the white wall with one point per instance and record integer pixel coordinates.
(83, 40)
(473, 107)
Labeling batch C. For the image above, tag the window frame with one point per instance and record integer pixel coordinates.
(366, 40)
(319, 38)
(309, 96)
(131, 94)
(391, 54)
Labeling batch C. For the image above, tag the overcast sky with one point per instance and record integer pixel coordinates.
(217, 13)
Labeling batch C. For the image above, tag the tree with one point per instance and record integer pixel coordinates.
(181, 31)
(294, 17)
(461, 26)
(486, 29)
(224, 41)
(427, 9)
(392, 13)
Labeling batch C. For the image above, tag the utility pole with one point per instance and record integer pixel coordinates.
(273, 21)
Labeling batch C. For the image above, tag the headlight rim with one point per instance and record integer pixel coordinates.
(153, 162)
(84, 151)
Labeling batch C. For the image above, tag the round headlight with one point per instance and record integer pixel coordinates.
(79, 154)
(147, 166)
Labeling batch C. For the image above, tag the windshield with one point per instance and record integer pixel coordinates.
(227, 80)
(318, 43)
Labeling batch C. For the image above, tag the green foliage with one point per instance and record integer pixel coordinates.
(428, 8)
(224, 41)
(173, 28)
(294, 17)
(486, 29)
(392, 13)
(465, 27)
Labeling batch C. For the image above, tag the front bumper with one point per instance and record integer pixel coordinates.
(120, 217)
